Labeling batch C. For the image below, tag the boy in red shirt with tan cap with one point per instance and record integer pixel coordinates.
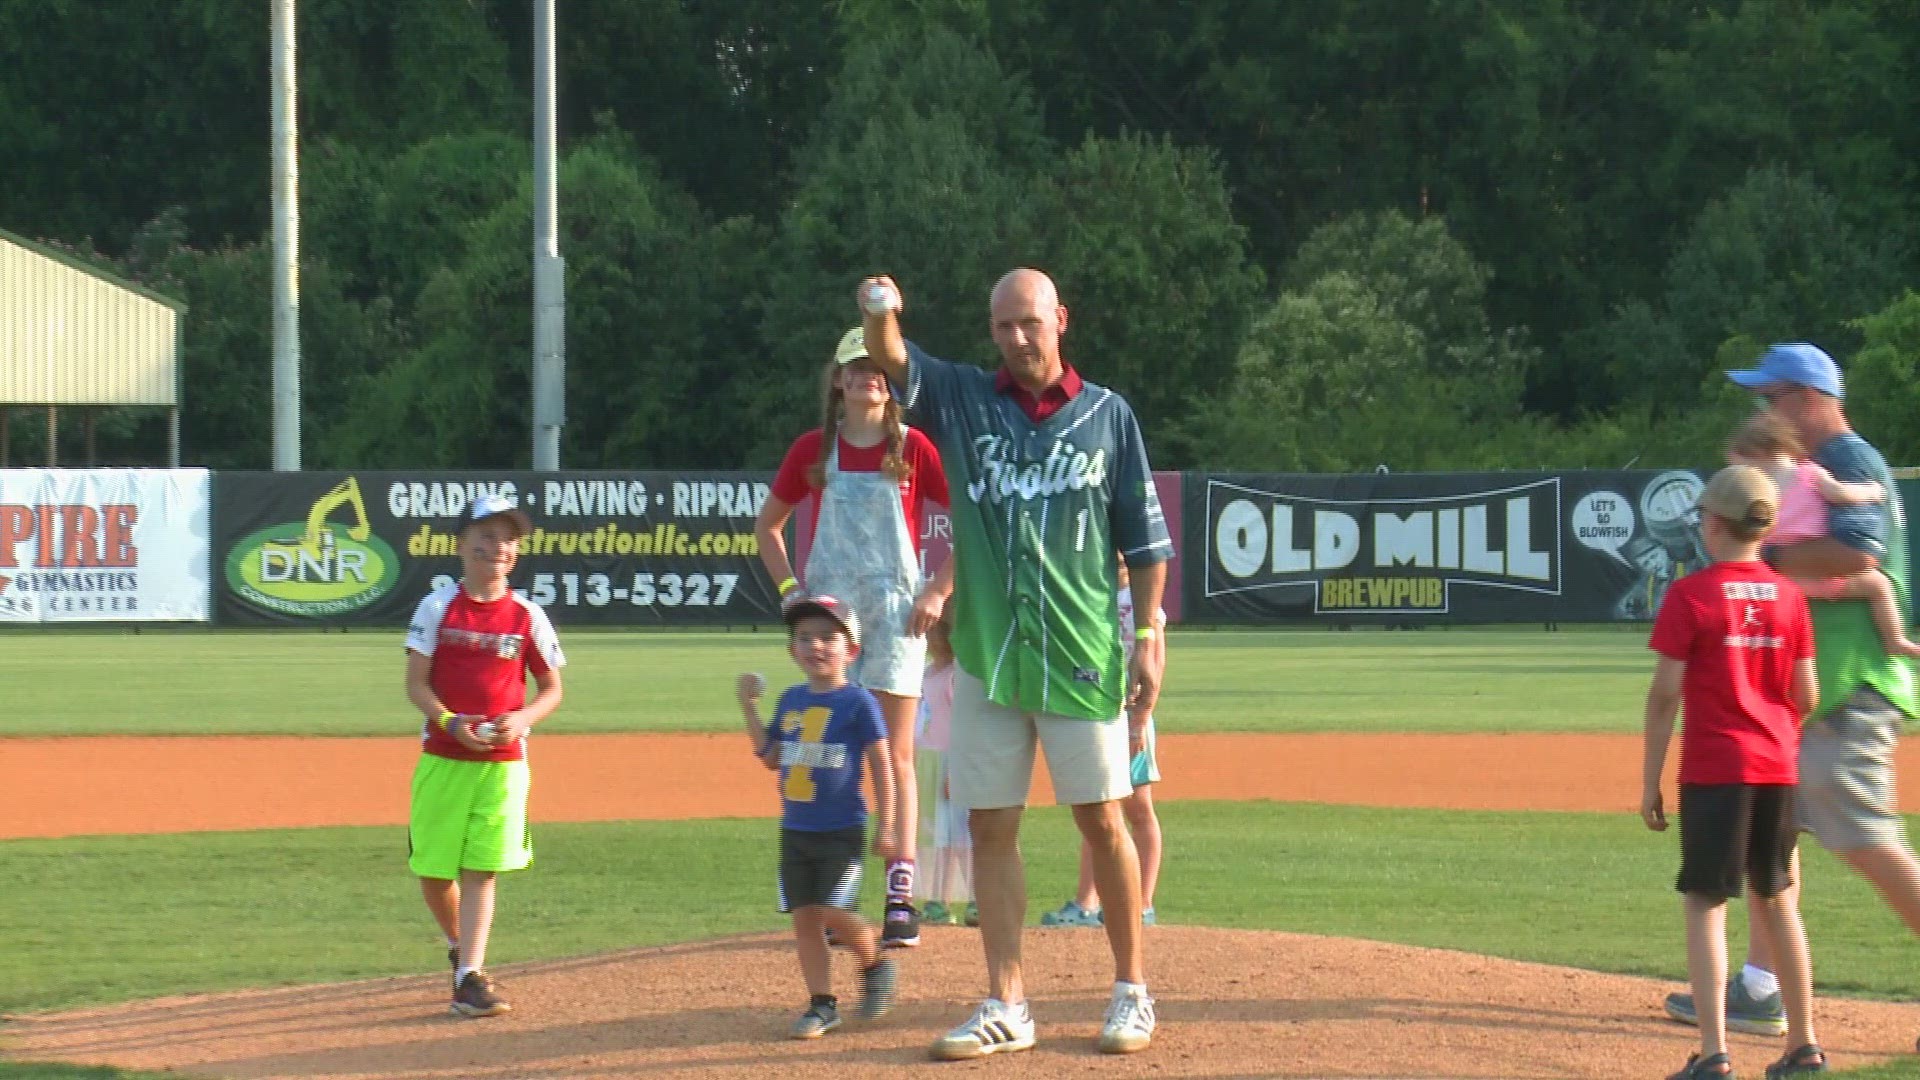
(470, 648)
(1736, 649)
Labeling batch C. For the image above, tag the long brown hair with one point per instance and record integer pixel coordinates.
(1766, 435)
(833, 406)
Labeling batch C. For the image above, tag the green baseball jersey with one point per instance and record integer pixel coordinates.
(1039, 508)
(1848, 650)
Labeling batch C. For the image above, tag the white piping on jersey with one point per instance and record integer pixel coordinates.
(1046, 676)
(1092, 407)
(1000, 661)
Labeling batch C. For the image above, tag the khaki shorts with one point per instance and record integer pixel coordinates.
(990, 761)
(1846, 797)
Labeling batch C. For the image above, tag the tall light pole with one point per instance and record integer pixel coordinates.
(549, 380)
(286, 246)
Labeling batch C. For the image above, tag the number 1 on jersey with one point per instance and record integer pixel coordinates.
(812, 725)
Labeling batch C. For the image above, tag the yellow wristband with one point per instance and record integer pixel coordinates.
(788, 586)
(1145, 633)
(445, 715)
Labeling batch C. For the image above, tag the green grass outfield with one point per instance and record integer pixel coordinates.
(190, 682)
(225, 910)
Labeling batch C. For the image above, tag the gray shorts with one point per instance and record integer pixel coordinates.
(1846, 797)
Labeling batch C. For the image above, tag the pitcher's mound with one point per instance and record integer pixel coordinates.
(1232, 1003)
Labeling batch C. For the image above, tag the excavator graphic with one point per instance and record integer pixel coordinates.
(318, 537)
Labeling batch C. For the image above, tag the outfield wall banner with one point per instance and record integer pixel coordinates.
(104, 545)
(608, 548)
(1459, 548)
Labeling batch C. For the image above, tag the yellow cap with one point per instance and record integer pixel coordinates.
(853, 346)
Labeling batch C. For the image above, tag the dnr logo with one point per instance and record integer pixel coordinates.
(316, 568)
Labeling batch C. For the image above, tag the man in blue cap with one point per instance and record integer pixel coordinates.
(1846, 797)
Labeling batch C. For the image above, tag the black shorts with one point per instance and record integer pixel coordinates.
(821, 868)
(1731, 832)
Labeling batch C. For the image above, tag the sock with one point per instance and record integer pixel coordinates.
(900, 882)
(1760, 982)
(460, 975)
(1129, 989)
(828, 1000)
(452, 943)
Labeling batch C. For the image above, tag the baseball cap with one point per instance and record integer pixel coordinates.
(831, 607)
(1743, 495)
(853, 346)
(1796, 362)
(487, 506)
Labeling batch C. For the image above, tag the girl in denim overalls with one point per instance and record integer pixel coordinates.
(870, 475)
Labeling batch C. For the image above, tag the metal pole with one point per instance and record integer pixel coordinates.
(286, 246)
(549, 382)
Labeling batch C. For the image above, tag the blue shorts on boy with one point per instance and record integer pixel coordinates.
(821, 740)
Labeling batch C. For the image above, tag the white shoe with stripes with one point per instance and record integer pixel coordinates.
(1130, 1024)
(994, 1027)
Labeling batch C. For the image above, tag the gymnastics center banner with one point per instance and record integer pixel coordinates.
(607, 548)
(104, 545)
(1589, 546)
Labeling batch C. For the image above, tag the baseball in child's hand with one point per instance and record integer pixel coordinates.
(752, 684)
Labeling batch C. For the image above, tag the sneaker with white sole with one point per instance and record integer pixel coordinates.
(1130, 1023)
(477, 996)
(816, 1021)
(900, 928)
(1755, 1016)
(995, 1027)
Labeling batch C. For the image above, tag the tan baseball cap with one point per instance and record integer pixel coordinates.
(1743, 495)
(853, 346)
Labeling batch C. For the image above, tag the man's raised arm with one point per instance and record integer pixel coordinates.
(880, 303)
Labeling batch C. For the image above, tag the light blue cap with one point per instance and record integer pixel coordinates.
(1795, 362)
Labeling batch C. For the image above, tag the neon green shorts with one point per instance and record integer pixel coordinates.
(468, 815)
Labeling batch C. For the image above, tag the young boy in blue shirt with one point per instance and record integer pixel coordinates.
(821, 731)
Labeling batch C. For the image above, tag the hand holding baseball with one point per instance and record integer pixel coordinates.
(750, 686)
(879, 295)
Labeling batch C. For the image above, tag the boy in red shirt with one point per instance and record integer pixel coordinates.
(470, 648)
(1736, 648)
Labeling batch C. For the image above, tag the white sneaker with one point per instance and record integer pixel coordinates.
(1129, 1027)
(994, 1027)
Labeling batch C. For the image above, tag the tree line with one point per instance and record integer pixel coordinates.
(1447, 235)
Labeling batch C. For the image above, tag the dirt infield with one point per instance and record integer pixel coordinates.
(1237, 1003)
(1233, 1003)
(67, 787)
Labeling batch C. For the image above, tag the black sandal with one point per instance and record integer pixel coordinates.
(1805, 1061)
(1711, 1067)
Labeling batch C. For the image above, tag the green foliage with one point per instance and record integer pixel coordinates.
(1378, 355)
(1140, 237)
(924, 166)
(1883, 383)
(1644, 188)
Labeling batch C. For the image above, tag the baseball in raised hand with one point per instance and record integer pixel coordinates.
(879, 295)
(750, 686)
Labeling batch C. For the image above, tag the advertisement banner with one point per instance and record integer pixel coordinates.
(1463, 548)
(104, 545)
(608, 548)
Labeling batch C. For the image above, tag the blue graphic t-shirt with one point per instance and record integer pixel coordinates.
(822, 740)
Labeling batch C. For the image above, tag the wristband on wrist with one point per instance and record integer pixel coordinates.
(788, 586)
(444, 719)
(1145, 633)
